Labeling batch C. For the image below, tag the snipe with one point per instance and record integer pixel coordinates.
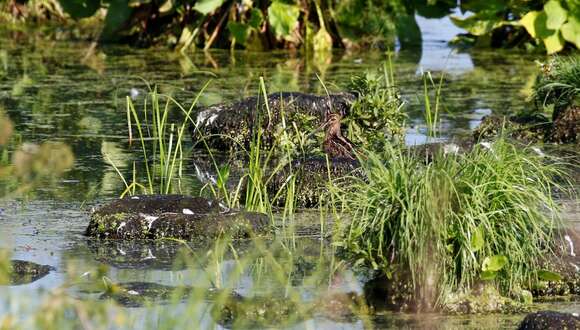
(335, 145)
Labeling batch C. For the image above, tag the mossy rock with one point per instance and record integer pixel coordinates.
(565, 128)
(312, 176)
(139, 294)
(550, 320)
(228, 126)
(259, 311)
(173, 216)
(526, 129)
(24, 272)
(565, 264)
(482, 299)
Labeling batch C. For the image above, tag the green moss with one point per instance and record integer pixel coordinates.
(483, 300)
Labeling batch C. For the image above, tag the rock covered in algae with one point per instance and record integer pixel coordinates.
(238, 311)
(24, 272)
(173, 216)
(312, 176)
(224, 126)
(564, 267)
(550, 320)
(138, 294)
(483, 299)
(565, 128)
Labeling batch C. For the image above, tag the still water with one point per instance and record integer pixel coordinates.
(73, 93)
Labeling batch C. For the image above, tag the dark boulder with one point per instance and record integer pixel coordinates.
(550, 320)
(312, 176)
(565, 128)
(24, 272)
(227, 126)
(564, 264)
(173, 216)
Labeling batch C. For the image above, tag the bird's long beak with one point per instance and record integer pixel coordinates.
(318, 129)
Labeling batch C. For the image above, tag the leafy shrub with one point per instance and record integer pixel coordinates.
(498, 23)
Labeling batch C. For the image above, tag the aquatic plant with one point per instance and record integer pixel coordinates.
(251, 191)
(431, 113)
(558, 84)
(161, 142)
(376, 115)
(485, 215)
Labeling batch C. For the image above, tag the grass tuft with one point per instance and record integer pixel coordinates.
(485, 215)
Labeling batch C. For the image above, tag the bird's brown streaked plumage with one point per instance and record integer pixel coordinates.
(335, 145)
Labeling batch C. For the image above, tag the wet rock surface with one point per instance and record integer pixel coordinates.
(550, 320)
(24, 272)
(565, 128)
(565, 263)
(139, 294)
(173, 216)
(234, 122)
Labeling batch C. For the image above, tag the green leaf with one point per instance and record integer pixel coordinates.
(283, 18)
(571, 31)
(494, 263)
(541, 26)
(556, 14)
(166, 7)
(256, 18)
(554, 43)
(80, 8)
(528, 22)
(547, 275)
(208, 6)
(477, 239)
(488, 275)
(117, 14)
(479, 24)
(239, 31)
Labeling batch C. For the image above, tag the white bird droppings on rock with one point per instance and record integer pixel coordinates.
(149, 218)
(569, 240)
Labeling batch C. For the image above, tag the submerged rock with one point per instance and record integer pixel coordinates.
(238, 311)
(550, 320)
(224, 126)
(139, 254)
(139, 294)
(24, 272)
(173, 216)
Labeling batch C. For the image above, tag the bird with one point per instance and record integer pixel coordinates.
(335, 145)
